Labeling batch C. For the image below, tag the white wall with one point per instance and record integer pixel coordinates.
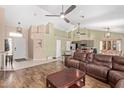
(29, 15)
(20, 45)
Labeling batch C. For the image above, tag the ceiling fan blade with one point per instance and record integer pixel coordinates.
(53, 15)
(72, 7)
(66, 20)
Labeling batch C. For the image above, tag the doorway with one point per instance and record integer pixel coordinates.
(16, 46)
(68, 45)
(19, 48)
(58, 48)
(9, 45)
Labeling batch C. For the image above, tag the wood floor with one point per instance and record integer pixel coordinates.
(35, 77)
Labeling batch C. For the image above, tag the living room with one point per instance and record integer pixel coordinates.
(40, 44)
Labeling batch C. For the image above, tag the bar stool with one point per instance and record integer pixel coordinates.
(9, 59)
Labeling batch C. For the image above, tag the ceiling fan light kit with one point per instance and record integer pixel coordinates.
(62, 16)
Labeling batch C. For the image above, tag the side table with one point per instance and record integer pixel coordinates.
(63, 57)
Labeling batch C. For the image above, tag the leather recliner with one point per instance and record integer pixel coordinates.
(75, 61)
(88, 60)
(117, 71)
(100, 66)
(120, 84)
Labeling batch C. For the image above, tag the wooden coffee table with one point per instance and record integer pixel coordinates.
(69, 77)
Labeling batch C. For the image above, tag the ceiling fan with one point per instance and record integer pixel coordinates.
(78, 32)
(63, 14)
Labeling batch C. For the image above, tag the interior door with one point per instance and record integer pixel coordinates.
(68, 45)
(19, 48)
(58, 48)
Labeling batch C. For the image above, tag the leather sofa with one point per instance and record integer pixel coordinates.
(106, 68)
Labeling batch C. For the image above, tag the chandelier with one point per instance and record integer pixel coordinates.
(108, 34)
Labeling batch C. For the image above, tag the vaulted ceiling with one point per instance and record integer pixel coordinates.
(96, 17)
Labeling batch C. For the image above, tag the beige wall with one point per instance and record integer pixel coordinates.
(63, 36)
(2, 29)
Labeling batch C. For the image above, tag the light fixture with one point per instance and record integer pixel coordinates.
(18, 32)
(19, 28)
(15, 34)
(78, 29)
(108, 34)
(62, 16)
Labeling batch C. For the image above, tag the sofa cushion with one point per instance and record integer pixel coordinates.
(76, 55)
(73, 63)
(82, 66)
(118, 63)
(104, 60)
(97, 71)
(89, 57)
(120, 84)
(114, 76)
(66, 60)
(82, 57)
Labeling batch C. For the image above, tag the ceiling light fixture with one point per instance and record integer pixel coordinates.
(62, 16)
(108, 34)
(18, 32)
(19, 28)
(15, 34)
(78, 30)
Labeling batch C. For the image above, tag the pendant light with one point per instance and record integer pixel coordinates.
(18, 32)
(108, 34)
